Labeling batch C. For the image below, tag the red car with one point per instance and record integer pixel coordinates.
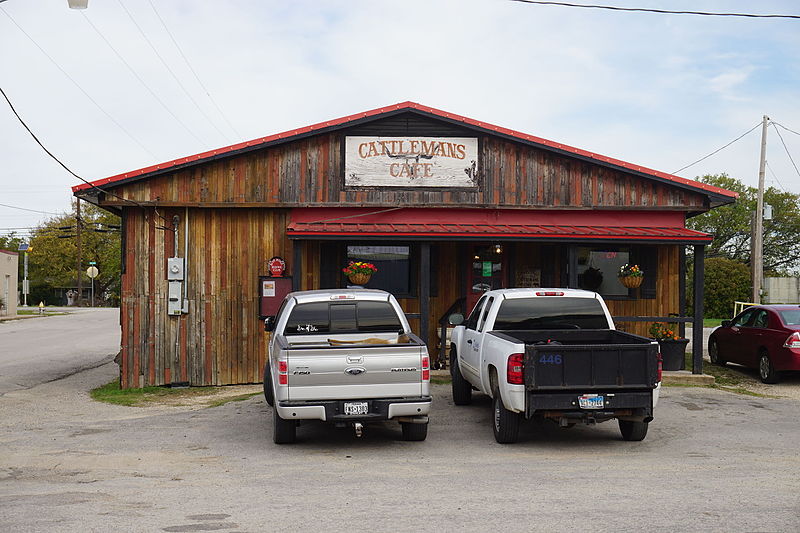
(766, 337)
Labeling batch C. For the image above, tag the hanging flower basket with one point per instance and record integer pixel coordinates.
(631, 281)
(359, 278)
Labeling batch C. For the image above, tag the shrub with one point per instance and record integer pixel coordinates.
(726, 281)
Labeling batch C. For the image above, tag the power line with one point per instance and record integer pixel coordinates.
(81, 89)
(659, 11)
(188, 64)
(172, 73)
(787, 150)
(717, 150)
(784, 127)
(31, 210)
(775, 177)
(135, 75)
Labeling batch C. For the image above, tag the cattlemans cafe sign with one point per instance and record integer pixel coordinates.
(411, 161)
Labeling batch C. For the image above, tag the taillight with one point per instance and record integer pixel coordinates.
(426, 368)
(793, 341)
(550, 293)
(283, 369)
(660, 368)
(515, 368)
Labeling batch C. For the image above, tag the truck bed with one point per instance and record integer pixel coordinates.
(586, 360)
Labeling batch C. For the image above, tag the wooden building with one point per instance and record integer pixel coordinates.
(444, 205)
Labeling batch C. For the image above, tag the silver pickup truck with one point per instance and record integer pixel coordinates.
(348, 357)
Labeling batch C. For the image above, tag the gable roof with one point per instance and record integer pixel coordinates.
(717, 196)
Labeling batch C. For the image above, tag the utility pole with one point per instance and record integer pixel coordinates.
(757, 251)
(78, 242)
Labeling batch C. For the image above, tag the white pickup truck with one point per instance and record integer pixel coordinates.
(348, 357)
(553, 354)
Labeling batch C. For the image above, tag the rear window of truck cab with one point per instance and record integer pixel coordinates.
(550, 312)
(355, 317)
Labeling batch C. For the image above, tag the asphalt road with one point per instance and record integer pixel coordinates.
(713, 461)
(38, 350)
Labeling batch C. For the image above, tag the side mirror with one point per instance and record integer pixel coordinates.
(269, 323)
(456, 319)
(726, 323)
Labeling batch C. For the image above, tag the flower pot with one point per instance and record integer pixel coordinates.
(631, 281)
(359, 278)
(673, 354)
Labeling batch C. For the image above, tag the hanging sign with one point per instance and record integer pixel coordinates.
(411, 161)
(276, 267)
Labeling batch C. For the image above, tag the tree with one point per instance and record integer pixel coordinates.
(731, 226)
(53, 261)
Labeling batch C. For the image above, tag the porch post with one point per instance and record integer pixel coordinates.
(297, 254)
(424, 289)
(697, 325)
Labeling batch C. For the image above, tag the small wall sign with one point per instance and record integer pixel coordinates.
(411, 161)
(276, 266)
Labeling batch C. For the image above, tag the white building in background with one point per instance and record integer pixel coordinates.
(782, 290)
(9, 266)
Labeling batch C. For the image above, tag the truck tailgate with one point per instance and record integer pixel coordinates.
(355, 371)
(590, 359)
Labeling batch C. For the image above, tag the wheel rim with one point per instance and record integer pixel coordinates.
(763, 366)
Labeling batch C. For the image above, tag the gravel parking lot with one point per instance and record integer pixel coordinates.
(713, 461)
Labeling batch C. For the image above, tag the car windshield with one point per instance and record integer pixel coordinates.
(790, 317)
(550, 313)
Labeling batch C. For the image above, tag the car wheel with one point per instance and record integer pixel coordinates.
(713, 353)
(412, 431)
(633, 431)
(268, 395)
(283, 431)
(766, 371)
(462, 390)
(505, 423)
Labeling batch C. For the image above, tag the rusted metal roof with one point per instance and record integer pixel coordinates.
(482, 224)
(374, 114)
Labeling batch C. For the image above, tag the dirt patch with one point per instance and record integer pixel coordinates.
(188, 397)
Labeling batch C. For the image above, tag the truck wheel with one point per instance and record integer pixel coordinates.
(283, 431)
(631, 430)
(413, 431)
(462, 390)
(505, 423)
(766, 371)
(268, 395)
(713, 353)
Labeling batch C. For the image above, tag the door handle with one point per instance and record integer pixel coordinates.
(469, 341)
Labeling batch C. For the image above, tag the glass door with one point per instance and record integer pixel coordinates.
(487, 270)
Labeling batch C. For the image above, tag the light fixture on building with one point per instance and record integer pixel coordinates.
(498, 249)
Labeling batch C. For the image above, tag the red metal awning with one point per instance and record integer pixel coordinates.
(482, 224)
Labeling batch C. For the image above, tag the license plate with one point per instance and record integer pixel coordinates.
(356, 408)
(591, 401)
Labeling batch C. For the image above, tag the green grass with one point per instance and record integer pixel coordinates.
(440, 381)
(36, 312)
(111, 393)
(712, 322)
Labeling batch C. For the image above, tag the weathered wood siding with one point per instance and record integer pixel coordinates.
(221, 340)
(309, 172)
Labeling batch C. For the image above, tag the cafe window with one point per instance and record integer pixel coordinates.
(597, 269)
(393, 264)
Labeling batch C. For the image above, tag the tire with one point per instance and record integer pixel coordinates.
(268, 393)
(633, 431)
(505, 423)
(713, 353)
(462, 390)
(766, 371)
(414, 432)
(283, 431)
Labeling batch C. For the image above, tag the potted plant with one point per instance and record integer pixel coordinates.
(359, 272)
(630, 275)
(672, 346)
(592, 278)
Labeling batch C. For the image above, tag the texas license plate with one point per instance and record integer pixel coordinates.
(356, 408)
(591, 401)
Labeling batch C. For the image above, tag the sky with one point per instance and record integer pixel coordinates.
(661, 91)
